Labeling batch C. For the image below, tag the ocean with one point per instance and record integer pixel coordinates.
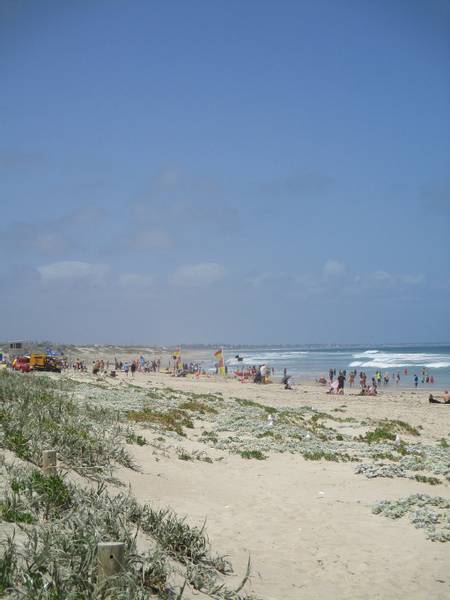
(310, 363)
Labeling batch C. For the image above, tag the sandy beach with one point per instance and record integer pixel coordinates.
(307, 525)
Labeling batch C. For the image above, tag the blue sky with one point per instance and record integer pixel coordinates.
(236, 172)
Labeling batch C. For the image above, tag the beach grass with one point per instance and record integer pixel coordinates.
(171, 420)
(37, 414)
(256, 454)
(62, 523)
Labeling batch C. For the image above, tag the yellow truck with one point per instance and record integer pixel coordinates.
(42, 362)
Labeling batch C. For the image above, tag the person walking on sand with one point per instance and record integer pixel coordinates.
(133, 368)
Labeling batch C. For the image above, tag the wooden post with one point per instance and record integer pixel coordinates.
(110, 557)
(49, 462)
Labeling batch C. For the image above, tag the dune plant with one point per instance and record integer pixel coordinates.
(37, 414)
(58, 559)
(171, 420)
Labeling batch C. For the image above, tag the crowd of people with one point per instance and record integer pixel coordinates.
(336, 381)
(369, 387)
(255, 373)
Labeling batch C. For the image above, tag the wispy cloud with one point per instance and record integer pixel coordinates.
(180, 198)
(386, 279)
(338, 277)
(73, 271)
(43, 239)
(333, 268)
(382, 277)
(54, 236)
(412, 279)
(202, 274)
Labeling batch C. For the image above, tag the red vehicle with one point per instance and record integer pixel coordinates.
(22, 363)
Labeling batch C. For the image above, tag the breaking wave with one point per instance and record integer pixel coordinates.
(387, 360)
(258, 358)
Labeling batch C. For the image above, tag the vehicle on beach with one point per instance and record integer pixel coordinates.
(22, 363)
(43, 362)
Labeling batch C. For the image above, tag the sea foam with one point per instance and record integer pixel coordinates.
(392, 360)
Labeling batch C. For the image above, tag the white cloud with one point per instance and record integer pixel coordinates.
(334, 267)
(168, 178)
(197, 275)
(260, 279)
(67, 271)
(383, 277)
(390, 279)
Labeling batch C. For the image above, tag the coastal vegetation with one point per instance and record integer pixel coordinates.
(425, 512)
(55, 523)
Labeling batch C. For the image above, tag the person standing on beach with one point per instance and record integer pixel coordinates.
(416, 381)
(378, 376)
(351, 378)
(133, 368)
(341, 382)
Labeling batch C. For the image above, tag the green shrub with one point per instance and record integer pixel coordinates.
(257, 454)
(172, 420)
(425, 479)
(197, 406)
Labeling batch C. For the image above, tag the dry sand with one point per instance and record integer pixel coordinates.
(303, 544)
